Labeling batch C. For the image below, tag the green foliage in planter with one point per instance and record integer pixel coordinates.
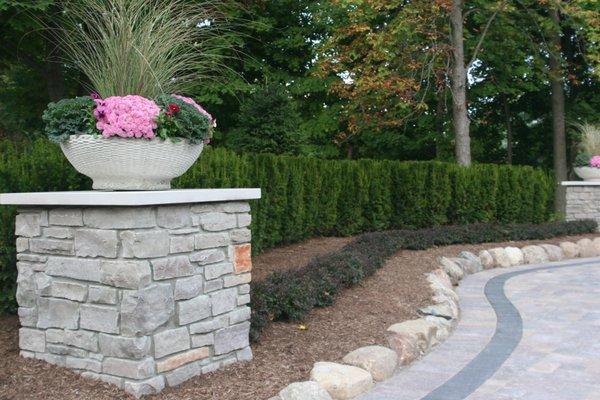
(291, 295)
(186, 123)
(69, 117)
(305, 197)
(583, 159)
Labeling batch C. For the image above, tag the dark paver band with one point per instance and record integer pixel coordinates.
(508, 333)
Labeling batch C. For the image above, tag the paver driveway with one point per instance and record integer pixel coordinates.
(530, 332)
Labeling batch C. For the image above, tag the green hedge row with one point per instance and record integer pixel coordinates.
(306, 197)
(290, 295)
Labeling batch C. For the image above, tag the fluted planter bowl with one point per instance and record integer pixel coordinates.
(129, 163)
(588, 173)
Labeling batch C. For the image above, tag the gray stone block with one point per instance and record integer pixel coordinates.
(124, 347)
(181, 244)
(51, 246)
(210, 240)
(172, 267)
(186, 288)
(28, 225)
(193, 310)
(223, 301)
(212, 285)
(83, 363)
(171, 341)
(65, 350)
(83, 339)
(209, 326)
(66, 217)
(58, 232)
(210, 256)
(119, 217)
(232, 338)
(32, 340)
(235, 207)
(243, 299)
(28, 316)
(99, 318)
(215, 221)
(173, 217)
(96, 243)
(55, 359)
(55, 336)
(243, 220)
(203, 340)
(182, 374)
(22, 244)
(216, 270)
(83, 270)
(140, 369)
(238, 315)
(102, 295)
(145, 244)
(125, 274)
(144, 310)
(68, 290)
(144, 388)
(236, 280)
(240, 235)
(244, 354)
(244, 289)
(57, 313)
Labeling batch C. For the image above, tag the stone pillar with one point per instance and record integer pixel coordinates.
(138, 296)
(583, 200)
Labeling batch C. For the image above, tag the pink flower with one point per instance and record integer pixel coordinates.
(595, 162)
(126, 116)
(198, 107)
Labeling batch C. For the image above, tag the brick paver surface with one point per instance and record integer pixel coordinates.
(545, 344)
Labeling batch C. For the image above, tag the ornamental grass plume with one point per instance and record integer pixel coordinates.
(590, 138)
(144, 47)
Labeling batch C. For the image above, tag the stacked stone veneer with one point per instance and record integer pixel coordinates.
(141, 297)
(583, 202)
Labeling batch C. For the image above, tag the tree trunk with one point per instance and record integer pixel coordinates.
(55, 83)
(459, 86)
(509, 132)
(558, 115)
(440, 116)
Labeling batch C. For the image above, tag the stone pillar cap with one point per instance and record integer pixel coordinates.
(129, 198)
(580, 183)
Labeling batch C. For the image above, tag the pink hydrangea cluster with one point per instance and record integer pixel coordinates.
(126, 116)
(198, 107)
(595, 162)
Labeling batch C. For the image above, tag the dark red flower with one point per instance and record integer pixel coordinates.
(174, 108)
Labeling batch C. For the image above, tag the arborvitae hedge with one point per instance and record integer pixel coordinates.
(305, 197)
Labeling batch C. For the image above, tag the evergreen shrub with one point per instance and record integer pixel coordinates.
(305, 197)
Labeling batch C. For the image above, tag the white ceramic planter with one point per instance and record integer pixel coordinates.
(588, 173)
(129, 163)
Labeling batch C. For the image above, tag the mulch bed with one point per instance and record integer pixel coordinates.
(286, 352)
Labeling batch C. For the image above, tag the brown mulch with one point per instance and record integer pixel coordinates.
(285, 354)
(295, 255)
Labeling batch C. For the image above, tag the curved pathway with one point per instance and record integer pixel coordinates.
(530, 332)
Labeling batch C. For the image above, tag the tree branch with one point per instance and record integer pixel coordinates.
(484, 33)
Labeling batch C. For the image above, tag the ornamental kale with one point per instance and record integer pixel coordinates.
(179, 119)
(70, 117)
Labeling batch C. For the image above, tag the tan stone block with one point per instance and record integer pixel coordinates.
(242, 258)
(182, 359)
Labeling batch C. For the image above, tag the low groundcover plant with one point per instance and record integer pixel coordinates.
(168, 117)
